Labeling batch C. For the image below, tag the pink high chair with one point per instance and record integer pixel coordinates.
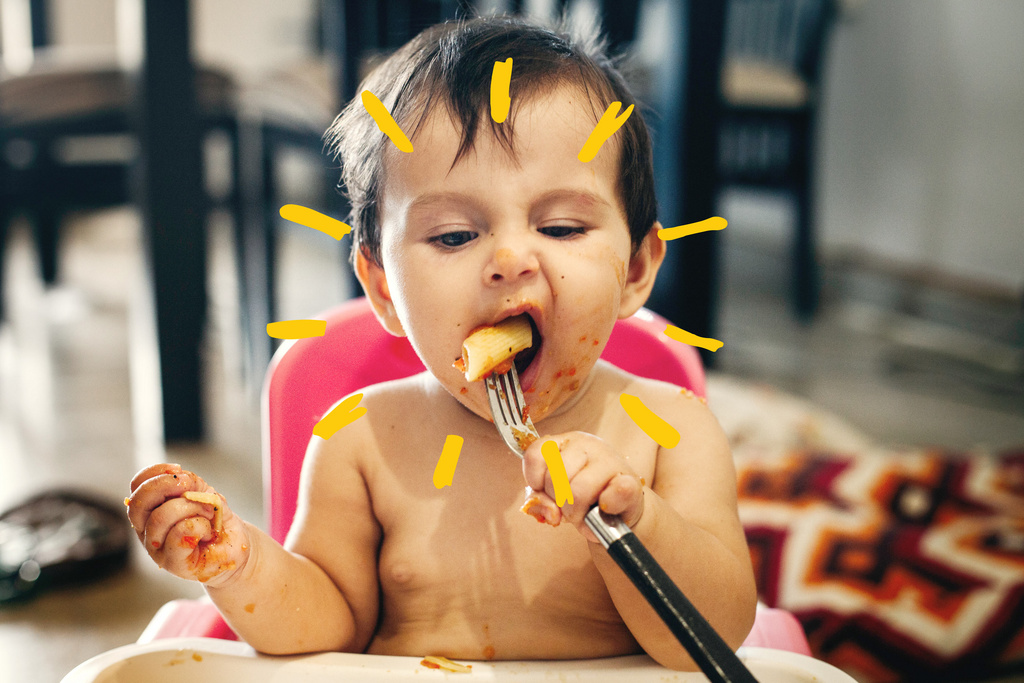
(307, 377)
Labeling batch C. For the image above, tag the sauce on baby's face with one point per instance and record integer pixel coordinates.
(462, 244)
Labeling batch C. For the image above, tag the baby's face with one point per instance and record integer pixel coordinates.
(494, 237)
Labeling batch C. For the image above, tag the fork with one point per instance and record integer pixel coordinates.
(716, 659)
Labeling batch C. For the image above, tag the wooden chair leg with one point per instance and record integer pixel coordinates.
(806, 277)
(46, 235)
(5, 221)
(250, 251)
(806, 283)
(269, 233)
(695, 305)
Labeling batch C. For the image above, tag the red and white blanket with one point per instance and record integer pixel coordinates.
(900, 563)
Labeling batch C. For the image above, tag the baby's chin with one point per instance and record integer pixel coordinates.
(474, 398)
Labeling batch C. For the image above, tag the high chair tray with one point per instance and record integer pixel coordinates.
(206, 659)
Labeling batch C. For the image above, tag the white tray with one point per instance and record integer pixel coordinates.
(180, 660)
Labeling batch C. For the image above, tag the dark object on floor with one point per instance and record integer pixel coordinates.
(58, 538)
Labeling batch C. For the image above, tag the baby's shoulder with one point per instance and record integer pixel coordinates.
(653, 393)
(376, 409)
(397, 396)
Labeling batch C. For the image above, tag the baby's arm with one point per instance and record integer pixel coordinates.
(279, 601)
(686, 518)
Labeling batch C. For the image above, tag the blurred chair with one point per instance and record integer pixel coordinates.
(284, 118)
(68, 137)
(70, 129)
(770, 93)
(308, 376)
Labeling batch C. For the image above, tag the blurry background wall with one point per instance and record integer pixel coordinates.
(922, 132)
(249, 36)
(923, 137)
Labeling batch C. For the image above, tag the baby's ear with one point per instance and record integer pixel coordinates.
(375, 284)
(643, 268)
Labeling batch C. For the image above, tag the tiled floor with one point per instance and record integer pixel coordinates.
(77, 400)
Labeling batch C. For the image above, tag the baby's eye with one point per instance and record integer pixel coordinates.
(562, 231)
(454, 239)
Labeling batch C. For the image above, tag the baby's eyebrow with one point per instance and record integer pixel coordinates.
(581, 198)
(434, 198)
(576, 196)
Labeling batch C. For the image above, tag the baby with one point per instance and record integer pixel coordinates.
(481, 222)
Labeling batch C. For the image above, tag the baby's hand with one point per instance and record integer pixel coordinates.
(597, 475)
(191, 539)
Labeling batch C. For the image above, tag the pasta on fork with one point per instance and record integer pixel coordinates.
(492, 349)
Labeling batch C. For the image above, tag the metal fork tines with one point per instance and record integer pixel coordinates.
(510, 411)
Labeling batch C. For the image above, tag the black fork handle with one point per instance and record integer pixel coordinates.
(716, 659)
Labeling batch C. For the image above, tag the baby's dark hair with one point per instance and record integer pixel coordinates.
(450, 65)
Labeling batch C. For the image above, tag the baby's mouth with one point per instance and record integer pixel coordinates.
(526, 356)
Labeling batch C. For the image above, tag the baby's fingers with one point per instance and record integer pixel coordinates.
(623, 495)
(182, 539)
(152, 471)
(547, 461)
(193, 549)
(170, 516)
(158, 489)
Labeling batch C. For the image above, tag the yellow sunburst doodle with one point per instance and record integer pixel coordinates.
(345, 413)
(556, 468)
(316, 220)
(349, 410)
(444, 471)
(681, 335)
(714, 223)
(662, 432)
(297, 329)
(604, 129)
(375, 108)
(501, 77)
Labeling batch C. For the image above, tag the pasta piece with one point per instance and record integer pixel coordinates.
(445, 664)
(210, 499)
(488, 348)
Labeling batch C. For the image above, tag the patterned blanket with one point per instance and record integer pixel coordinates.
(901, 564)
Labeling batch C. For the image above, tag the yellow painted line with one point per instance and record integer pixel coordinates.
(444, 471)
(713, 223)
(343, 414)
(604, 129)
(501, 78)
(662, 432)
(387, 125)
(556, 468)
(297, 329)
(681, 335)
(316, 220)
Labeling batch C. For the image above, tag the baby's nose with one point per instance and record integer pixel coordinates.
(509, 263)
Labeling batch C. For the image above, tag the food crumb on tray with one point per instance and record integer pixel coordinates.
(445, 664)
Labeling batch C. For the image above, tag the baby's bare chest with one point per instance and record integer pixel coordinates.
(464, 559)
(469, 532)
(469, 541)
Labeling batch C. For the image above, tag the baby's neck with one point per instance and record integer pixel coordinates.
(575, 406)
